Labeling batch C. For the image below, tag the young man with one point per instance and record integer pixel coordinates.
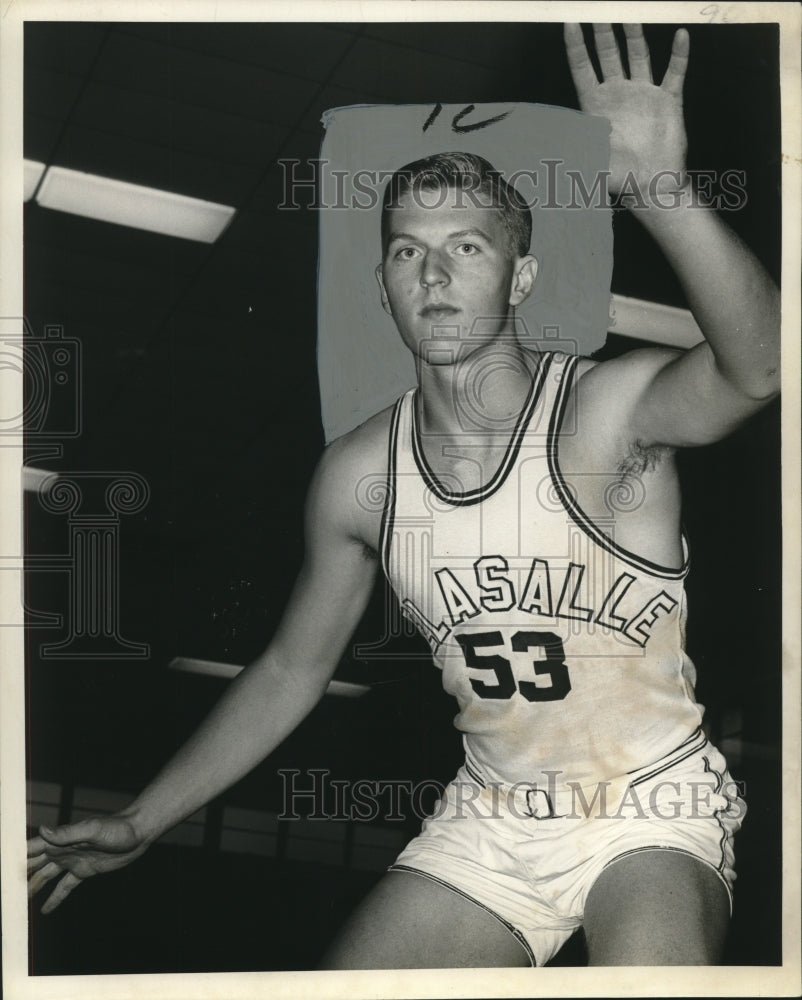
(589, 795)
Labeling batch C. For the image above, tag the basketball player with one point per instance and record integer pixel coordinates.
(589, 795)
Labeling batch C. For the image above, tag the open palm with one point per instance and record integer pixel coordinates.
(78, 851)
(648, 133)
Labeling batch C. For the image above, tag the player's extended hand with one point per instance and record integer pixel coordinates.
(77, 851)
(648, 131)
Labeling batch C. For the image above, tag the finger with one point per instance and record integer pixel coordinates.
(50, 852)
(36, 862)
(35, 846)
(60, 893)
(677, 64)
(582, 71)
(607, 51)
(40, 878)
(640, 65)
(72, 833)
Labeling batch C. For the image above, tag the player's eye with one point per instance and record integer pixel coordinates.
(406, 253)
(467, 249)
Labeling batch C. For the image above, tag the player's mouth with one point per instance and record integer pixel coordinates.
(438, 311)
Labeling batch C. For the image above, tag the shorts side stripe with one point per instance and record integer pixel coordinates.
(719, 785)
(447, 885)
(473, 771)
(669, 761)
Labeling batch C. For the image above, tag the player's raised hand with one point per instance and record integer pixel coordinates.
(79, 850)
(648, 140)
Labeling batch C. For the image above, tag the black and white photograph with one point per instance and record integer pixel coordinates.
(400, 558)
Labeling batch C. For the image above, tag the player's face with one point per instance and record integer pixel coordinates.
(448, 277)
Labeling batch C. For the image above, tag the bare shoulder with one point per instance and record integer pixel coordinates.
(623, 377)
(604, 449)
(348, 486)
(360, 452)
(609, 390)
(604, 397)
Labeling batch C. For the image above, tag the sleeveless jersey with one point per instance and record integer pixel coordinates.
(564, 650)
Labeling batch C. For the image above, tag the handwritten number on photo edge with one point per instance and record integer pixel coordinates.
(455, 121)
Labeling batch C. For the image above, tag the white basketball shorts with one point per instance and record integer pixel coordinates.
(529, 855)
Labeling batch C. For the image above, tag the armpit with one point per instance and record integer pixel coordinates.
(642, 458)
(369, 554)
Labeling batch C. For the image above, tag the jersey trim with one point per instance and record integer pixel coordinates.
(388, 514)
(578, 516)
(497, 480)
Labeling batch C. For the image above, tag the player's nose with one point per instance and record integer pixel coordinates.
(434, 270)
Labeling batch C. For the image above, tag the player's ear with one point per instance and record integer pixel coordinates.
(524, 279)
(383, 290)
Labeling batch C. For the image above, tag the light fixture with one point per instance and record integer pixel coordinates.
(33, 479)
(654, 322)
(133, 205)
(346, 689)
(32, 172)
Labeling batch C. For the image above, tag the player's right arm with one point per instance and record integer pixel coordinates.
(258, 710)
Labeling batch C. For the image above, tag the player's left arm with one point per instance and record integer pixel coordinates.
(693, 397)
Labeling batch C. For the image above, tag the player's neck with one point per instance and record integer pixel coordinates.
(483, 393)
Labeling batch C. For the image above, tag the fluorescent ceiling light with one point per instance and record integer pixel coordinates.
(133, 205)
(654, 322)
(34, 479)
(32, 171)
(344, 689)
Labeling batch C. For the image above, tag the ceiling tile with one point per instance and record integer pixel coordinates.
(404, 76)
(68, 46)
(96, 271)
(39, 136)
(265, 232)
(305, 50)
(70, 301)
(235, 284)
(47, 92)
(484, 44)
(204, 80)
(140, 162)
(215, 134)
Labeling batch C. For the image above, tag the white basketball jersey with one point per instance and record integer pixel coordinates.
(564, 651)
